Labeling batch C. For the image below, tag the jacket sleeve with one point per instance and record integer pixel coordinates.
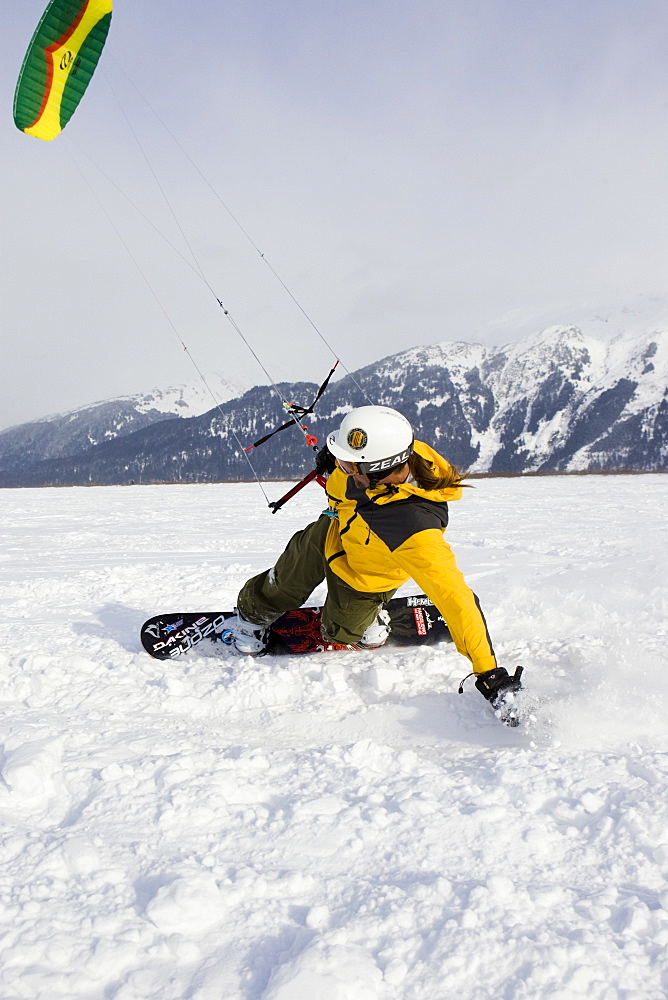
(429, 560)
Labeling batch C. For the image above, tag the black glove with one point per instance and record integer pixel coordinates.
(325, 463)
(495, 685)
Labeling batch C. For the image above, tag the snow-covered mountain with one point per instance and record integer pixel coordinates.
(561, 400)
(558, 400)
(79, 430)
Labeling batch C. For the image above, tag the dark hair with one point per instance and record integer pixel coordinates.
(425, 475)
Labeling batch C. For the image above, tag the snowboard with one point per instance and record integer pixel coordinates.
(414, 621)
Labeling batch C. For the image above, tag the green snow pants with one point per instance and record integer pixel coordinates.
(298, 571)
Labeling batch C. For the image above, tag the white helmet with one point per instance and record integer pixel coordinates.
(372, 439)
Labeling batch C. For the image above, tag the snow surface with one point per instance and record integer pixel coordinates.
(342, 826)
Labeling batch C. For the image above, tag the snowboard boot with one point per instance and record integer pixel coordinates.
(376, 633)
(247, 638)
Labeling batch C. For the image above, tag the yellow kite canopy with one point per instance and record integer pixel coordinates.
(59, 63)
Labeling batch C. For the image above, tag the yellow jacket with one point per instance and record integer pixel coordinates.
(385, 536)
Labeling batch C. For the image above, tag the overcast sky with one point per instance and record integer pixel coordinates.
(415, 170)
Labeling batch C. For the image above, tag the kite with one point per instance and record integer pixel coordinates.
(59, 64)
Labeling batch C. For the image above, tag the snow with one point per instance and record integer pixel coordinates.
(343, 826)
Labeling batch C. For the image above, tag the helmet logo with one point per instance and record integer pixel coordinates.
(357, 439)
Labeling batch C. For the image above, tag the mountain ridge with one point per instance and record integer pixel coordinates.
(557, 400)
(62, 434)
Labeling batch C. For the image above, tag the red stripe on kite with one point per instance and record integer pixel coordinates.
(48, 52)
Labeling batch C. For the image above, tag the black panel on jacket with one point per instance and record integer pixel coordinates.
(395, 522)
